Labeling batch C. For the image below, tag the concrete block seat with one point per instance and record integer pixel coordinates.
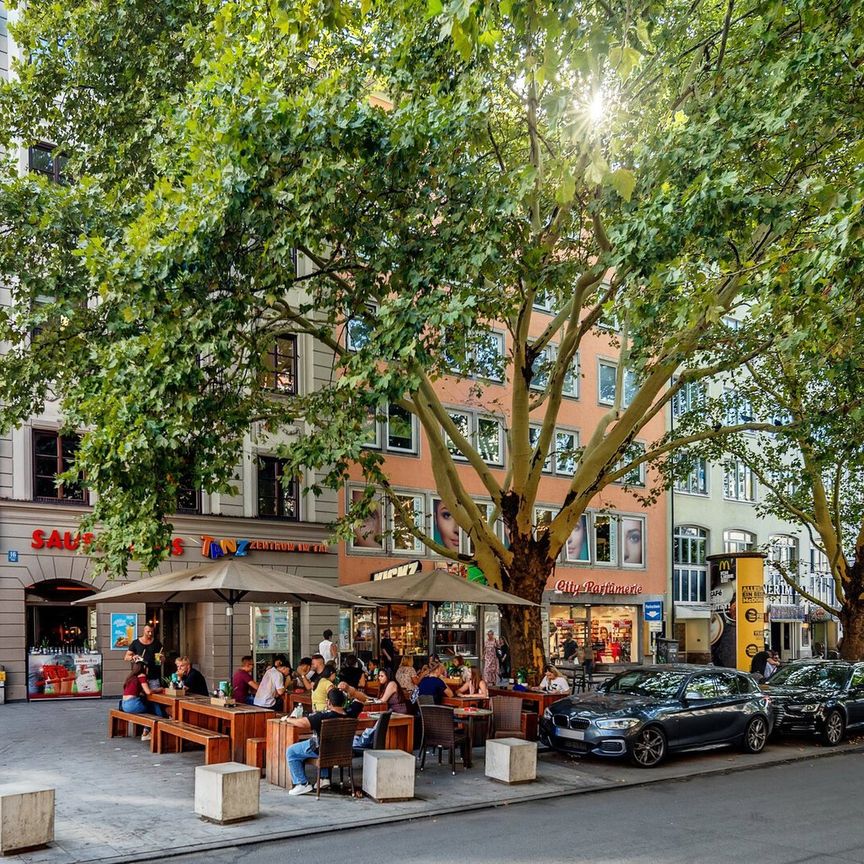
(26, 817)
(511, 760)
(228, 792)
(388, 775)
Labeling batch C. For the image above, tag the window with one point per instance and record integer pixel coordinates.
(605, 539)
(543, 300)
(42, 160)
(534, 440)
(571, 379)
(402, 539)
(280, 361)
(540, 369)
(188, 494)
(484, 433)
(738, 541)
(696, 481)
(635, 476)
(702, 687)
(278, 498)
(462, 422)
(606, 384)
(738, 408)
(401, 433)
(543, 517)
(358, 329)
(731, 323)
(54, 454)
(739, 481)
(690, 572)
(690, 397)
(784, 549)
(633, 541)
(566, 444)
(487, 356)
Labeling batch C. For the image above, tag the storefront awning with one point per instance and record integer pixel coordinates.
(692, 610)
(786, 612)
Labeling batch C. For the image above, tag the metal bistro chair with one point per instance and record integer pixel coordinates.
(335, 750)
(506, 717)
(440, 731)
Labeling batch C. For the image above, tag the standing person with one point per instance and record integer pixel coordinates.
(148, 649)
(327, 648)
(190, 678)
(272, 684)
(772, 664)
(389, 654)
(585, 656)
(504, 658)
(757, 664)
(135, 693)
(298, 753)
(491, 668)
(243, 684)
(569, 649)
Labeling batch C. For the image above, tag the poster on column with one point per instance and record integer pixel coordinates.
(751, 609)
(723, 623)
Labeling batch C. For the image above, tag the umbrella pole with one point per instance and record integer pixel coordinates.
(229, 612)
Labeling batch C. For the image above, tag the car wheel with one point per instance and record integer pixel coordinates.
(756, 735)
(834, 729)
(649, 747)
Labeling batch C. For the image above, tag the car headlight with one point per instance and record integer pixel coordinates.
(622, 723)
(547, 714)
(811, 708)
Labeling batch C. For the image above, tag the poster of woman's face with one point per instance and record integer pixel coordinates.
(445, 531)
(577, 542)
(367, 534)
(634, 542)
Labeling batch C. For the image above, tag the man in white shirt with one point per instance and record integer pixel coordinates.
(326, 648)
(272, 684)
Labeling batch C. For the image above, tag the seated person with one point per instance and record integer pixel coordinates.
(406, 677)
(298, 677)
(553, 682)
(388, 691)
(474, 686)
(298, 753)
(243, 685)
(433, 684)
(316, 667)
(324, 683)
(352, 673)
(272, 684)
(136, 689)
(460, 669)
(190, 678)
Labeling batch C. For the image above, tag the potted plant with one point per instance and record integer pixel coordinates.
(224, 696)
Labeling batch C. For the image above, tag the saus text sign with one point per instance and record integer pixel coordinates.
(214, 548)
(569, 586)
(41, 538)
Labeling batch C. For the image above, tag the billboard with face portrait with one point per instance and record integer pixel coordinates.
(368, 533)
(576, 549)
(445, 531)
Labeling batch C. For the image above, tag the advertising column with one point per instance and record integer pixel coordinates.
(737, 627)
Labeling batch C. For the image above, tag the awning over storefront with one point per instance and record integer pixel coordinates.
(786, 612)
(692, 611)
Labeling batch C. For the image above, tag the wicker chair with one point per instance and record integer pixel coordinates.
(335, 750)
(506, 717)
(440, 731)
(379, 739)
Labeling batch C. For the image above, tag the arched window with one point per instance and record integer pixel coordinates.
(736, 540)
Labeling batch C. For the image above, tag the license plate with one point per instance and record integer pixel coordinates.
(575, 734)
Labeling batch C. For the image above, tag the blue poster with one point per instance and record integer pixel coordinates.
(124, 630)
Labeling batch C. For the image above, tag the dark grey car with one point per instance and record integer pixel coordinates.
(645, 713)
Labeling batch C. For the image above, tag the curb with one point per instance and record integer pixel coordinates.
(215, 846)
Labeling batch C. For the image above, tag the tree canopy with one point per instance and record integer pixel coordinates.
(444, 166)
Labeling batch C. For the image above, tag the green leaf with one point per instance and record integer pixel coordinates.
(434, 7)
(623, 181)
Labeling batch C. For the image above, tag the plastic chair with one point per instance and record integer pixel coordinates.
(335, 750)
(440, 731)
(506, 717)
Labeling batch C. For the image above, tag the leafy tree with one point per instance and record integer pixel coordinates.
(442, 167)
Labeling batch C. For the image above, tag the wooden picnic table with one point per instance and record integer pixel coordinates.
(281, 735)
(239, 722)
(292, 699)
(172, 703)
(541, 700)
(462, 701)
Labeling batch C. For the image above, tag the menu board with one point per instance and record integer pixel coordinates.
(72, 675)
(273, 628)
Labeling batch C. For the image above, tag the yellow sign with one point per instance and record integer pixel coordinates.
(750, 611)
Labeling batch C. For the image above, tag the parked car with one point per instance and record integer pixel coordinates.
(822, 697)
(647, 712)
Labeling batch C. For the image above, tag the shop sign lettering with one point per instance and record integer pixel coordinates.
(214, 548)
(408, 569)
(569, 586)
(43, 539)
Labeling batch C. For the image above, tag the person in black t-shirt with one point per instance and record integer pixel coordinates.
(298, 753)
(191, 678)
(351, 673)
(148, 649)
(389, 655)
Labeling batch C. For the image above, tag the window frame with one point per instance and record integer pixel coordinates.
(735, 472)
(56, 175)
(272, 374)
(737, 536)
(414, 449)
(59, 465)
(694, 472)
(417, 547)
(276, 462)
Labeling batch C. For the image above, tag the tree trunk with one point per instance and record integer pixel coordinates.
(852, 615)
(522, 625)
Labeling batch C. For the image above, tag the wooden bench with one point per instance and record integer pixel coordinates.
(118, 723)
(217, 747)
(256, 753)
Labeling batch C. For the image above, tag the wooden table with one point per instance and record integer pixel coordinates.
(172, 703)
(462, 701)
(238, 722)
(281, 735)
(291, 700)
(541, 700)
(468, 716)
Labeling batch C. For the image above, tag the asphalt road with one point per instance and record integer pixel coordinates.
(803, 812)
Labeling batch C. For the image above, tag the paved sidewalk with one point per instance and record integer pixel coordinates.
(118, 802)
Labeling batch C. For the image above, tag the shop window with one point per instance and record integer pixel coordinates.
(280, 363)
(43, 159)
(738, 541)
(278, 497)
(54, 454)
(605, 539)
(612, 629)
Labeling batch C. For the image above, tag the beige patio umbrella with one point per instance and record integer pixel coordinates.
(229, 581)
(436, 586)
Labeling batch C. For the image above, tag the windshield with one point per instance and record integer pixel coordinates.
(655, 683)
(815, 677)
